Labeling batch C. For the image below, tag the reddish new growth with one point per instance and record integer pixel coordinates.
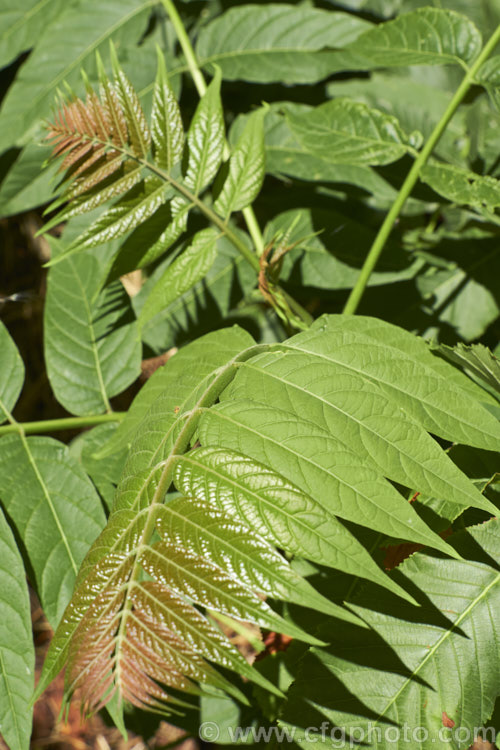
(85, 132)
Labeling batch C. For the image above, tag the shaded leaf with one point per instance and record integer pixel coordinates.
(104, 474)
(64, 46)
(55, 510)
(22, 22)
(462, 186)
(92, 347)
(17, 653)
(476, 360)
(282, 43)
(347, 132)
(205, 305)
(394, 684)
(11, 374)
(428, 36)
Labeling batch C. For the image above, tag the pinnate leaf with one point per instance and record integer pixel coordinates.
(268, 446)
(276, 509)
(318, 463)
(315, 389)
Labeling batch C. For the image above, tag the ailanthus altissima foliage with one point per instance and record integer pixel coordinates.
(289, 448)
(332, 492)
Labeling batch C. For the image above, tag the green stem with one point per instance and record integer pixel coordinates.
(412, 177)
(201, 87)
(66, 423)
(211, 215)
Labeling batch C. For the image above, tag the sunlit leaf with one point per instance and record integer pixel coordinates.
(246, 168)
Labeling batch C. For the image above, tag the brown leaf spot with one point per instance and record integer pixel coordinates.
(447, 722)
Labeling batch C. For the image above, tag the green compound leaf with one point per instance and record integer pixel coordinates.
(393, 692)
(428, 36)
(92, 346)
(246, 168)
(282, 43)
(17, 653)
(56, 512)
(114, 608)
(268, 446)
(348, 132)
(183, 273)
(11, 374)
(338, 400)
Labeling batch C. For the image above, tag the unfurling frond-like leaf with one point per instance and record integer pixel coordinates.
(109, 152)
